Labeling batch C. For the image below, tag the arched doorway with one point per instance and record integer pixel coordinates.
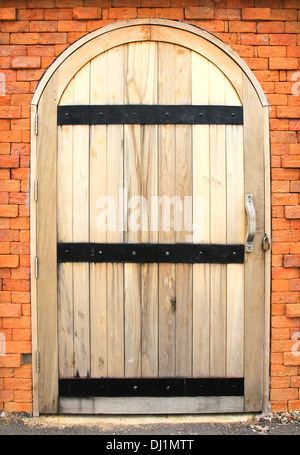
(150, 205)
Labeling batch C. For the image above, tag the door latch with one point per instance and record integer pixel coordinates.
(265, 243)
(251, 222)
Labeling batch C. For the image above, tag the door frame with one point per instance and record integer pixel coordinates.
(43, 196)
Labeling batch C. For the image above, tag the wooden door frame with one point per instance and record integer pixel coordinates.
(43, 196)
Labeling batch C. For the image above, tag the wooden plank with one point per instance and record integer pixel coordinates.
(235, 234)
(149, 231)
(254, 262)
(132, 272)
(65, 234)
(135, 75)
(217, 228)
(166, 152)
(180, 405)
(184, 216)
(33, 255)
(267, 291)
(46, 251)
(115, 292)
(81, 229)
(98, 183)
(201, 220)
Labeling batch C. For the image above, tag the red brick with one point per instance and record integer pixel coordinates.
(255, 40)
(86, 13)
(9, 260)
(295, 187)
(285, 174)
(288, 112)
(18, 407)
(242, 27)
(43, 26)
(284, 394)
(270, 27)
(280, 383)
(16, 285)
(6, 395)
(257, 63)
(293, 51)
(53, 38)
(199, 13)
(21, 334)
(128, 13)
(283, 63)
(32, 14)
(279, 406)
(22, 396)
(292, 260)
(293, 310)
(227, 14)
(283, 14)
(295, 381)
(289, 358)
(58, 14)
(7, 14)
(291, 161)
(15, 347)
(10, 310)
(17, 384)
(283, 39)
(171, 13)
(8, 210)
(271, 51)
(24, 38)
(256, 13)
(292, 212)
(292, 27)
(293, 405)
(10, 360)
(25, 62)
(284, 199)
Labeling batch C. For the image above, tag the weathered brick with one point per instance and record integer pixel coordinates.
(7, 14)
(291, 260)
(199, 13)
(86, 13)
(293, 310)
(256, 13)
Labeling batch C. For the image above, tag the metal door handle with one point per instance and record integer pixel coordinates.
(250, 222)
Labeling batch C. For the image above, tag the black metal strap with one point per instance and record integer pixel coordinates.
(150, 253)
(149, 114)
(151, 387)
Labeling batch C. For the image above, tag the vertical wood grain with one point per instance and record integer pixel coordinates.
(98, 184)
(65, 234)
(166, 144)
(201, 220)
(81, 294)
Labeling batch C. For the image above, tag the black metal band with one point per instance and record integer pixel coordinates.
(151, 387)
(149, 114)
(150, 253)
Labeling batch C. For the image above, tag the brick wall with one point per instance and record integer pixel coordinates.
(266, 34)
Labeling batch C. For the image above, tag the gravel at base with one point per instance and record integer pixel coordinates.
(271, 424)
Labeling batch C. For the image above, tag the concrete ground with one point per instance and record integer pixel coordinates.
(271, 424)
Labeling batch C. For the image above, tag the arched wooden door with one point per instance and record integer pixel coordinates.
(150, 292)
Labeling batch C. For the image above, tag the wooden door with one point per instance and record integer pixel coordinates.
(152, 278)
